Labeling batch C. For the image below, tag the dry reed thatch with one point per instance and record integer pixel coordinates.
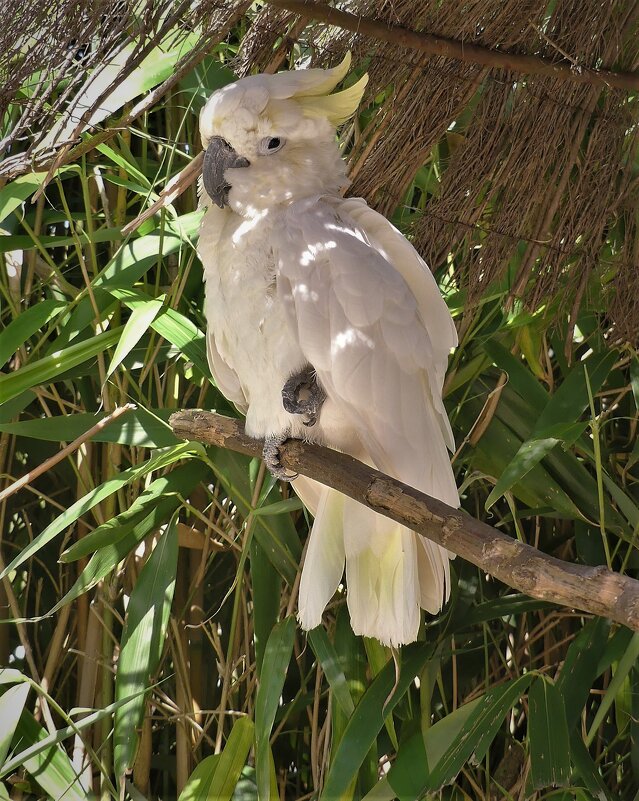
(535, 170)
(51, 50)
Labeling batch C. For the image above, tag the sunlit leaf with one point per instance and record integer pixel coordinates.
(142, 641)
(276, 658)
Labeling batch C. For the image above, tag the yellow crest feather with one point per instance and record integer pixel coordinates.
(323, 81)
(338, 107)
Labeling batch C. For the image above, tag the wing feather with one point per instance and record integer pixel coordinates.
(366, 324)
(224, 376)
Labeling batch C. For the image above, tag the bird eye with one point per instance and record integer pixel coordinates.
(270, 144)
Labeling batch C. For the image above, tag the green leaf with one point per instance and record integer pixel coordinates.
(504, 607)
(624, 666)
(135, 257)
(500, 443)
(51, 768)
(165, 499)
(409, 775)
(145, 428)
(479, 731)
(279, 507)
(520, 378)
(276, 659)
(93, 498)
(54, 364)
(142, 642)
(11, 706)
(135, 328)
(587, 769)
(548, 736)
(157, 66)
(44, 744)
(368, 718)
(25, 326)
(275, 533)
(173, 326)
(216, 777)
(329, 660)
(557, 422)
(14, 193)
(580, 668)
(266, 585)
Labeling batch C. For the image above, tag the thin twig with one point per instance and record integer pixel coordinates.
(70, 448)
(173, 189)
(461, 51)
(591, 589)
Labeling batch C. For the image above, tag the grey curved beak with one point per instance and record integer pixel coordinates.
(220, 157)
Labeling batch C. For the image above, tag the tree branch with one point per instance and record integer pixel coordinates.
(452, 48)
(591, 589)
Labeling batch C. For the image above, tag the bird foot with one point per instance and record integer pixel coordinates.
(302, 394)
(271, 456)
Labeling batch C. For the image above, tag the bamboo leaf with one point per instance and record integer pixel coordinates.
(587, 769)
(145, 428)
(91, 499)
(409, 776)
(17, 191)
(276, 659)
(580, 667)
(329, 660)
(41, 745)
(162, 504)
(61, 361)
(548, 736)
(279, 507)
(173, 326)
(26, 325)
(50, 767)
(142, 642)
(216, 777)
(479, 731)
(157, 66)
(135, 328)
(266, 585)
(557, 422)
(368, 718)
(275, 533)
(624, 666)
(11, 706)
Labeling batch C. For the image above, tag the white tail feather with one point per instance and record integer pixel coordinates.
(391, 572)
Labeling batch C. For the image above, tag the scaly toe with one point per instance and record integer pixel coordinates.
(304, 383)
(271, 456)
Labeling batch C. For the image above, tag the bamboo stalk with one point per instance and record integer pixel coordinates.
(591, 589)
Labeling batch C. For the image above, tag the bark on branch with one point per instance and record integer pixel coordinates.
(591, 589)
(452, 48)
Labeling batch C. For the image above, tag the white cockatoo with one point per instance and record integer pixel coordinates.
(325, 324)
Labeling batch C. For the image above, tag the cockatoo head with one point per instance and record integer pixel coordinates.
(270, 139)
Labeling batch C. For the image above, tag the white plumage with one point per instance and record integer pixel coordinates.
(297, 275)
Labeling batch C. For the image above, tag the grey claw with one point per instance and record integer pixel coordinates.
(271, 456)
(304, 383)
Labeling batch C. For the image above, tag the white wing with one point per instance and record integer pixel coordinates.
(224, 376)
(377, 332)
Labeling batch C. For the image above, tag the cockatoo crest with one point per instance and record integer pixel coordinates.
(257, 95)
